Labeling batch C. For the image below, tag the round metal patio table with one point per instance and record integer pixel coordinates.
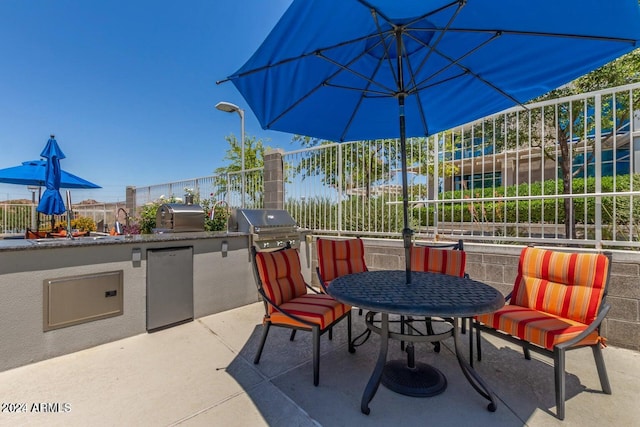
(428, 294)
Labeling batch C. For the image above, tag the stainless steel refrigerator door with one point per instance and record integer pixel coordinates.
(169, 287)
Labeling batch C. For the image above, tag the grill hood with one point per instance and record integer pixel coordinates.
(260, 220)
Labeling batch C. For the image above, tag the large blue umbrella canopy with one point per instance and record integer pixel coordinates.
(346, 70)
(51, 202)
(33, 172)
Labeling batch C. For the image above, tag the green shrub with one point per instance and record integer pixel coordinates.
(83, 223)
(615, 209)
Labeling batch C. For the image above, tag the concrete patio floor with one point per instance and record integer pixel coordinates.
(202, 374)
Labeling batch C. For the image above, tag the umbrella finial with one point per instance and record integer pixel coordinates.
(52, 136)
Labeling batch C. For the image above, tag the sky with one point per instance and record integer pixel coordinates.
(127, 87)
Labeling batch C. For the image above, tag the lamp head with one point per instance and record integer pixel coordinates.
(227, 107)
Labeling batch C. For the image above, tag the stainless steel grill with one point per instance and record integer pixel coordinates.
(267, 228)
(176, 218)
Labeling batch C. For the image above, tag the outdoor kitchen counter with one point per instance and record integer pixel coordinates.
(222, 280)
(30, 244)
(221, 277)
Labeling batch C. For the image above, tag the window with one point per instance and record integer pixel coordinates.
(478, 181)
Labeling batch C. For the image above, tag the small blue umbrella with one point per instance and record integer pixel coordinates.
(33, 172)
(347, 70)
(51, 202)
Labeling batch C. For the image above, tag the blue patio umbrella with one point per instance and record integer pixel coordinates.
(51, 202)
(33, 172)
(346, 70)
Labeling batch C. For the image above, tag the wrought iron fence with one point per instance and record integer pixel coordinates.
(104, 215)
(564, 171)
(499, 179)
(16, 218)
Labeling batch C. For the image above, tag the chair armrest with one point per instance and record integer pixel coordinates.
(314, 290)
(508, 297)
(289, 315)
(321, 280)
(592, 327)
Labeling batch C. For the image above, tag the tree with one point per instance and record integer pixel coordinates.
(361, 164)
(253, 154)
(229, 176)
(574, 120)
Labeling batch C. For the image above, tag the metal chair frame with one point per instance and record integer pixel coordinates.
(559, 350)
(458, 246)
(315, 329)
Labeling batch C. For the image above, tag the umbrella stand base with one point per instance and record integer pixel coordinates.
(421, 381)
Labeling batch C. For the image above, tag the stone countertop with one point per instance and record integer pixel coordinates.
(36, 244)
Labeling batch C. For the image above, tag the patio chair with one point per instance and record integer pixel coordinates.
(288, 304)
(30, 234)
(447, 258)
(337, 258)
(557, 304)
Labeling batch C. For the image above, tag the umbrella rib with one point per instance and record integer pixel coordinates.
(335, 46)
(345, 67)
(417, 94)
(374, 14)
(366, 91)
(544, 34)
(316, 52)
(456, 61)
(485, 81)
(448, 79)
(341, 67)
(313, 90)
(431, 49)
(433, 12)
(362, 96)
(441, 35)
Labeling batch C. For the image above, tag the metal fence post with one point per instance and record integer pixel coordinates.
(598, 166)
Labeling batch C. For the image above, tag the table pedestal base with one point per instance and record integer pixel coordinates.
(423, 380)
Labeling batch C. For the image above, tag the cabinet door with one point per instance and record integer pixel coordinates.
(169, 287)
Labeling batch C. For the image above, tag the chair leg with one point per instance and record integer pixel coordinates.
(352, 348)
(558, 363)
(478, 345)
(602, 370)
(470, 340)
(402, 332)
(526, 352)
(316, 355)
(265, 332)
(293, 335)
(430, 331)
(464, 325)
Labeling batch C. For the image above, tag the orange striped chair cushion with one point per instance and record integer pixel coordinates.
(555, 297)
(339, 257)
(543, 329)
(569, 285)
(281, 275)
(320, 309)
(445, 261)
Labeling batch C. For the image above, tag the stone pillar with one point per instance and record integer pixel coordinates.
(273, 180)
(130, 201)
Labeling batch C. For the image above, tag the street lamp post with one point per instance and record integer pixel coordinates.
(232, 108)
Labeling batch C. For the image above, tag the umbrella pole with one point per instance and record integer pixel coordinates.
(407, 232)
(38, 212)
